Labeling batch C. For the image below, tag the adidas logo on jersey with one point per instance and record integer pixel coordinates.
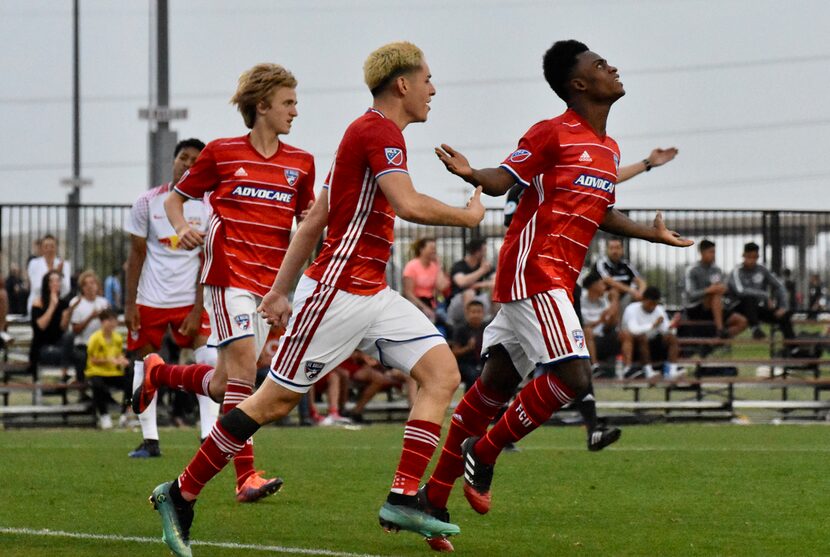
(240, 172)
(585, 157)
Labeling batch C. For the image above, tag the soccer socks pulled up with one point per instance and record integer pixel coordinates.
(420, 438)
(194, 378)
(535, 404)
(226, 439)
(587, 407)
(471, 417)
(147, 419)
(243, 462)
(208, 409)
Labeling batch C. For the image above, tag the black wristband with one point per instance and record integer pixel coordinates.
(647, 163)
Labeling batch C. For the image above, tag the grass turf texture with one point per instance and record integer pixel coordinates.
(662, 490)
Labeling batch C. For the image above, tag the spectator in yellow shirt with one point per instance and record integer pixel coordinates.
(105, 366)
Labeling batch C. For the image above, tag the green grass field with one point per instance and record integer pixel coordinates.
(662, 490)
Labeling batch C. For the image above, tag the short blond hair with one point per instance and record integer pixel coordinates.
(89, 274)
(388, 62)
(256, 85)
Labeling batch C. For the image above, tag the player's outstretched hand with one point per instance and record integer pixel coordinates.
(669, 237)
(275, 309)
(191, 239)
(454, 161)
(475, 209)
(659, 157)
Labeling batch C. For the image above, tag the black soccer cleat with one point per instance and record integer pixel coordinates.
(601, 437)
(149, 448)
(478, 477)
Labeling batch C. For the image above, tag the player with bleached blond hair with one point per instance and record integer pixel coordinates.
(343, 303)
(257, 185)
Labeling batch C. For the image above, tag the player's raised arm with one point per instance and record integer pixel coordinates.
(275, 306)
(423, 209)
(493, 181)
(657, 157)
(616, 222)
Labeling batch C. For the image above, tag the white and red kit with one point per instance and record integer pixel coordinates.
(570, 174)
(254, 200)
(343, 302)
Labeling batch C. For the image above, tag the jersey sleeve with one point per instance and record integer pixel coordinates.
(139, 215)
(305, 191)
(385, 150)
(201, 178)
(536, 152)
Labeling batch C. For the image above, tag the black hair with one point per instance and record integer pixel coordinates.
(44, 287)
(558, 64)
(474, 245)
(589, 280)
(705, 244)
(751, 247)
(185, 143)
(107, 314)
(615, 239)
(48, 236)
(475, 303)
(652, 293)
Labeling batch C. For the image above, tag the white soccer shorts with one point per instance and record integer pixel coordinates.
(232, 313)
(542, 329)
(328, 324)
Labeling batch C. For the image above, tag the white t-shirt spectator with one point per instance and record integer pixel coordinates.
(592, 310)
(37, 269)
(84, 309)
(636, 321)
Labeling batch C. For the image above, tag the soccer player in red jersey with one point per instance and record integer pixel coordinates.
(343, 302)
(569, 166)
(256, 186)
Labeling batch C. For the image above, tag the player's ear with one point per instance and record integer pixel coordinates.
(401, 84)
(262, 106)
(578, 84)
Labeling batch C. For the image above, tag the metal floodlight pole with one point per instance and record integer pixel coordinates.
(162, 140)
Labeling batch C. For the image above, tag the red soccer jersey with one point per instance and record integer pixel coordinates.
(570, 173)
(361, 220)
(254, 201)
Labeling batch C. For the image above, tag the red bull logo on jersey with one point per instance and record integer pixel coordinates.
(291, 176)
(520, 155)
(394, 156)
(588, 181)
(263, 193)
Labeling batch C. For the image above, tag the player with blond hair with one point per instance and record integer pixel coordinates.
(343, 303)
(256, 186)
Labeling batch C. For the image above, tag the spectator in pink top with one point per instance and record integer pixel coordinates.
(423, 278)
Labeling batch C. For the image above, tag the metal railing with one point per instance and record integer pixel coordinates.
(799, 241)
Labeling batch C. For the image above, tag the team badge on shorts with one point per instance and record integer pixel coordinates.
(291, 176)
(579, 338)
(394, 156)
(243, 320)
(313, 369)
(520, 155)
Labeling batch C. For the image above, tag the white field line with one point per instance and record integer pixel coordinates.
(145, 540)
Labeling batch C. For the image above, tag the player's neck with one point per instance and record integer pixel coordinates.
(595, 114)
(393, 111)
(264, 141)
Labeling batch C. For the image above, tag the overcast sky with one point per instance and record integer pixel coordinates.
(739, 86)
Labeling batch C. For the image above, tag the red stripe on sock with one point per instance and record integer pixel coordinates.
(243, 462)
(208, 461)
(415, 456)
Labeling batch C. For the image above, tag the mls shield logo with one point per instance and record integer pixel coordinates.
(313, 369)
(243, 321)
(394, 156)
(520, 156)
(579, 338)
(291, 176)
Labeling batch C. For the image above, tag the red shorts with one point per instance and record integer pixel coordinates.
(154, 323)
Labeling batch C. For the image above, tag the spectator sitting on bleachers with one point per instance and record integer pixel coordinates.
(471, 278)
(423, 277)
(83, 312)
(368, 375)
(625, 285)
(16, 290)
(646, 325)
(750, 283)
(705, 294)
(465, 343)
(47, 261)
(49, 323)
(598, 318)
(105, 367)
(816, 296)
